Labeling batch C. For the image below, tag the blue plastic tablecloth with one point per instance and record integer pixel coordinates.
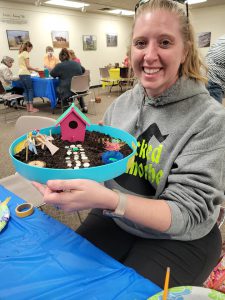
(40, 258)
(43, 87)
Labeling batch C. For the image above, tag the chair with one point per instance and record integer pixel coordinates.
(126, 77)
(22, 188)
(25, 124)
(80, 86)
(106, 80)
(9, 101)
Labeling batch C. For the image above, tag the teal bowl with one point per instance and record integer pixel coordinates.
(100, 173)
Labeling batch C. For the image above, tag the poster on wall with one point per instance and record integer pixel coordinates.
(60, 39)
(204, 39)
(111, 40)
(89, 42)
(11, 16)
(16, 38)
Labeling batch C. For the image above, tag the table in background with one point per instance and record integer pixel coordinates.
(43, 87)
(114, 73)
(114, 76)
(40, 258)
(122, 78)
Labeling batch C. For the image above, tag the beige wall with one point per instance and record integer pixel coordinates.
(211, 19)
(42, 20)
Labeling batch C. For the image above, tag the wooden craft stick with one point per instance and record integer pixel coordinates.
(27, 151)
(166, 284)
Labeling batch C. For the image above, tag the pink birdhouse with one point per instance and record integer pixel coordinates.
(73, 124)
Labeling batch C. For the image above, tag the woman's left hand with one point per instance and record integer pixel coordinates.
(77, 194)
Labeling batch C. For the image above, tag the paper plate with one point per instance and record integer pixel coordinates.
(190, 293)
(100, 173)
(4, 215)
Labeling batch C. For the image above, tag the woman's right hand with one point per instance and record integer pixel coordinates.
(77, 194)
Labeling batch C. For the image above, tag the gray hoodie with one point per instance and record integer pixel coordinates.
(180, 156)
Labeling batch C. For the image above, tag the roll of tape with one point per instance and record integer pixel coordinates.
(24, 210)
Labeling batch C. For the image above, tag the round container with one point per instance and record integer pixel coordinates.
(189, 293)
(100, 173)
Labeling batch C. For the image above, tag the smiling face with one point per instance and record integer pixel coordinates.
(157, 50)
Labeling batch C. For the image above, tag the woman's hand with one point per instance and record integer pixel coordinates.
(77, 194)
(80, 194)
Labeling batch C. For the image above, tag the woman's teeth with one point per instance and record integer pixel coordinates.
(151, 71)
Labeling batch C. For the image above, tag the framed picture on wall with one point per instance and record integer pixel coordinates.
(60, 39)
(204, 39)
(16, 38)
(111, 40)
(89, 42)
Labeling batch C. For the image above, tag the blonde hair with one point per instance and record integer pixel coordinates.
(72, 54)
(193, 66)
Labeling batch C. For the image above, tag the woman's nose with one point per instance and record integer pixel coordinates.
(151, 52)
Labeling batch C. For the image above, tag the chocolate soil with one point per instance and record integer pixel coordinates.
(93, 147)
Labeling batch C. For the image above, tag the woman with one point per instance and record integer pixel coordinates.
(74, 57)
(24, 75)
(65, 71)
(6, 76)
(165, 212)
(50, 61)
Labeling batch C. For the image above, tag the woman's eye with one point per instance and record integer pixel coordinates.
(139, 44)
(165, 43)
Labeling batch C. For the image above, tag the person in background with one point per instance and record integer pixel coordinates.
(24, 74)
(73, 56)
(126, 61)
(163, 211)
(6, 76)
(215, 59)
(50, 60)
(65, 71)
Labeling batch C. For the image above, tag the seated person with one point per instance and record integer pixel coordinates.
(6, 76)
(73, 56)
(65, 71)
(50, 60)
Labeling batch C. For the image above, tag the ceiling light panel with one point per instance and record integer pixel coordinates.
(195, 1)
(66, 3)
(122, 12)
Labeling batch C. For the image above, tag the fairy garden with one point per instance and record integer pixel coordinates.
(74, 148)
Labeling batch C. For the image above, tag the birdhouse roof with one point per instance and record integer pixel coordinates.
(76, 111)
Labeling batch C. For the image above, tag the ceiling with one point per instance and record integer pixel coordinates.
(100, 5)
